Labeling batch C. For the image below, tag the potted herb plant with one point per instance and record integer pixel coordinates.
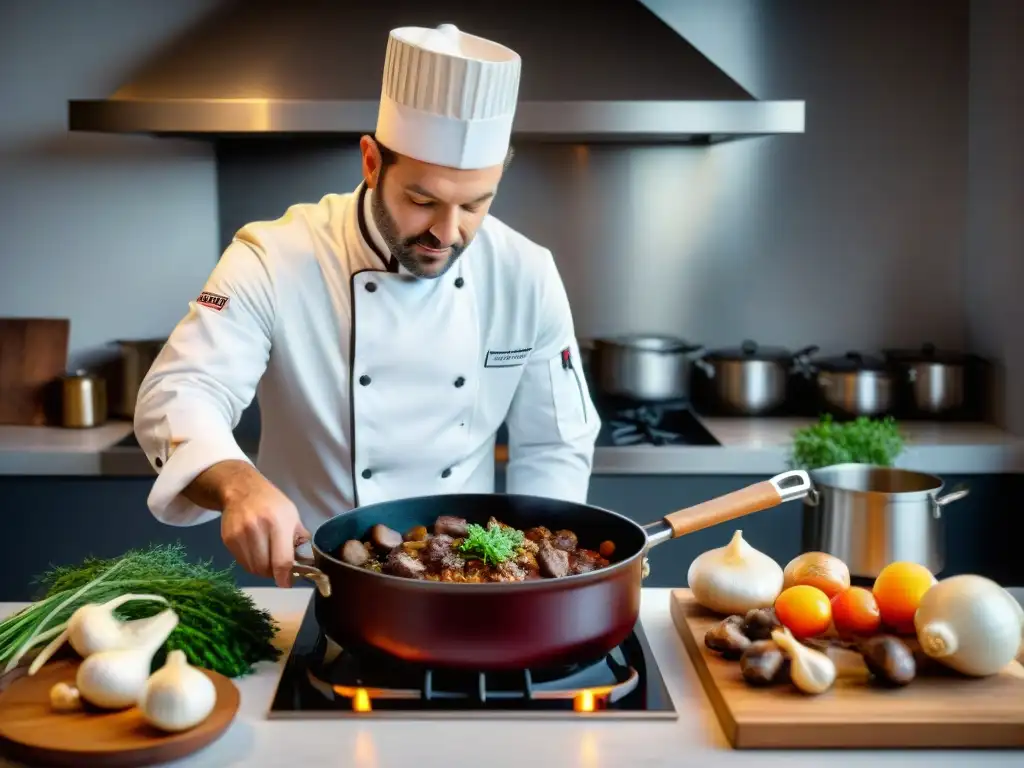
(877, 442)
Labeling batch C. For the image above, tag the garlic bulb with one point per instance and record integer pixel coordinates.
(177, 696)
(116, 679)
(94, 627)
(65, 698)
(970, 624)
(811, 671)
(735, 578)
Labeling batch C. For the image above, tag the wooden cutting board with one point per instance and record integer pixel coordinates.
(31, 732)
(33, 356)
(937, 709)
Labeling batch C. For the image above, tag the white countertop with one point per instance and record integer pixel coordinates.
(695, 739)
(749, 446)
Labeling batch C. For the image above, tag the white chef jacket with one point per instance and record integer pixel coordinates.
(373, 384)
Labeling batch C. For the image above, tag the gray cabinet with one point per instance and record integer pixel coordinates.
(66, 519)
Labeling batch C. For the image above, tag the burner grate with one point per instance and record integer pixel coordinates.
(643, 424)
(637, 423)
(320, 679)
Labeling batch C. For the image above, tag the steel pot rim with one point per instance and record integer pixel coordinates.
(654, 343)
(750, 352)
(820, 478)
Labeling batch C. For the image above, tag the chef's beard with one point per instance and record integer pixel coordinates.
(402, 248)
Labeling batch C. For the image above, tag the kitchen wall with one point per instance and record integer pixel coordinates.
(114, 232)
(854, 234)
(848, 236)
(994, 267)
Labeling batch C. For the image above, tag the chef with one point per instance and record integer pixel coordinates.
(389, 332)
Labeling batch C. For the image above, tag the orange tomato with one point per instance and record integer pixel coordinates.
(855, 612)
(898, 590)
(804, 610)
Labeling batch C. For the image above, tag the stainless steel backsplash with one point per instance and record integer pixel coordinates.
(714, 243)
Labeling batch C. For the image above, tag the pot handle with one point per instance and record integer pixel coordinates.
(313, 574)
(707, 368)
(802, 361)
(939, 502)
(768, 493)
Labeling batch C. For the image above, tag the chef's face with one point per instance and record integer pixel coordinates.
(427, 214)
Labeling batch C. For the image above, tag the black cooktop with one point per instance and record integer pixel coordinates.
(321, 680)
(628, 422)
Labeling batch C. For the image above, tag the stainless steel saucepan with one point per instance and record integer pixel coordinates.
(645, 367)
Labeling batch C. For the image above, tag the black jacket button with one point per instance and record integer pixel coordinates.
(459, 282)
(446, 473)
(364, 380)
(159, 462)
(371, 287)
(459, 381)
(367, 474)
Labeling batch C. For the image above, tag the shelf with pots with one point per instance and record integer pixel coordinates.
(923, 384)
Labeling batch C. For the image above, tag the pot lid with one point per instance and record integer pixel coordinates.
(751, 350)
(851, 362)
(650, 342)
(926, 354)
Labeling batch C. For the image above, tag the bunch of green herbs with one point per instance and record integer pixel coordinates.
(493, 545)
(219, 627)
(861, 441)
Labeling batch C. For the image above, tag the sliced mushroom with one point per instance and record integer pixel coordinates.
(449, 525)
(385, 539)
(727, 637)
(759, 623)
(764, 663)
(354, 553)
(889, 659)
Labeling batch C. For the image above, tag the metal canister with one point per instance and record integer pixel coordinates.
(83, 401)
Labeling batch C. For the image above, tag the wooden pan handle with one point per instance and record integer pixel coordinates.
(754, 498)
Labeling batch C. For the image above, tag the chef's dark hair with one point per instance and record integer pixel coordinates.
(390, 157)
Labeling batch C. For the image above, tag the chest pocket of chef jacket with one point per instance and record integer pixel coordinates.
(568, 392)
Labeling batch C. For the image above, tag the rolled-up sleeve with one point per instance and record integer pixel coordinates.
(204, 378)
(552, 422)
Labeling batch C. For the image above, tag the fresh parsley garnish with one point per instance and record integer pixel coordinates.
(493, 544)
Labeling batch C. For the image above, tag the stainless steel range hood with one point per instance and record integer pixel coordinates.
(610, 71)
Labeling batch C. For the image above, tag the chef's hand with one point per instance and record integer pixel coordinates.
(260, 526)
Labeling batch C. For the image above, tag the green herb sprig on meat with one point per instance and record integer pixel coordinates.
(493, 545)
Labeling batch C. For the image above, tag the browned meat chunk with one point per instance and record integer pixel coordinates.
(538, 534)
(354, 553)
(585, 561)
(507, 571)
(451, 526)
(439, 553)
(564, 540)
(553, 563)
(434, 553)
(400, 563)
(385, 539)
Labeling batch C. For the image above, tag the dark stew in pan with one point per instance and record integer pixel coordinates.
(461, 552)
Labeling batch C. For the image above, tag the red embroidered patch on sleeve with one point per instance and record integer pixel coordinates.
(212, 300)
